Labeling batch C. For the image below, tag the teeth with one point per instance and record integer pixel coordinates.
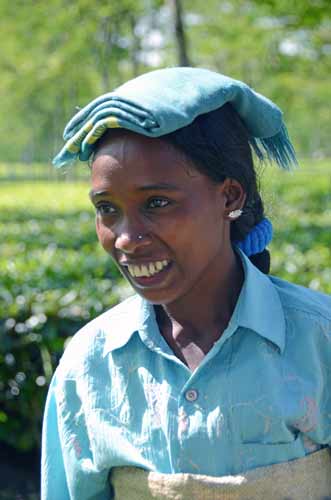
(144, 271)
(148, 269)
(151, 268)
(136, 271)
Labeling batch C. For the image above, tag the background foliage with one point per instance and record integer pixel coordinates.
(56, 55)
(53, 279)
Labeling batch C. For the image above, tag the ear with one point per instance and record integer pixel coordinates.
(234, 196)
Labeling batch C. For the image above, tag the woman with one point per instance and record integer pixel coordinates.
(213, 381)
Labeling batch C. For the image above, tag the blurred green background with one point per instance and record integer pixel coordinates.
(57, 55)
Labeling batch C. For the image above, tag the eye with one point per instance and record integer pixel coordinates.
(158, 202)
(105, 209)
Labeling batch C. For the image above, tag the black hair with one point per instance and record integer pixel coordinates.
(218, 144)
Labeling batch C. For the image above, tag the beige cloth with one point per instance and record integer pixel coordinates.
(307, 478)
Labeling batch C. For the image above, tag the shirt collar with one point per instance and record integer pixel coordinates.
(133, 315)
(258, 308)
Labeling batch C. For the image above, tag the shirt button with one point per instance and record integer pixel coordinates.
(191, 395)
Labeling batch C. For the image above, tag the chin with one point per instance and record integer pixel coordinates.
(158, 296)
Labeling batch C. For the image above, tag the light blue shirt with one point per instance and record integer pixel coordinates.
(262, 395)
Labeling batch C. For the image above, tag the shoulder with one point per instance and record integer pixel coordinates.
(304, 300)
(88, 343)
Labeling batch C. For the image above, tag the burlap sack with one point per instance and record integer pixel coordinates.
(308, 478)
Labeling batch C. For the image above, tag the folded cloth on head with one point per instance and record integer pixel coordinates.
(162, 101)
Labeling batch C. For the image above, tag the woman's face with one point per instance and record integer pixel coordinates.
(161, 220)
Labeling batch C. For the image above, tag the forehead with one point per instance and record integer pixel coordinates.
(124, 156)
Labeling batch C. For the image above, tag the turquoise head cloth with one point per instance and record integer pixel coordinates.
(162, 101)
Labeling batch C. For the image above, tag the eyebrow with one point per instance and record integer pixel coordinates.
(163, 186)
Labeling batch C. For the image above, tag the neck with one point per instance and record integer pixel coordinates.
(205, 311)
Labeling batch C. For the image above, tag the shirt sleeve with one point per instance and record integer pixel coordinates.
(326, 386)
(69, 466)
(53, 476)
(318, 414)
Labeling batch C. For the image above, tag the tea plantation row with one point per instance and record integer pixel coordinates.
(54, 277)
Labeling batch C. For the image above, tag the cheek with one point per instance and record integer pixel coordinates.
(196, 243)
(202, 230)
(105, 235)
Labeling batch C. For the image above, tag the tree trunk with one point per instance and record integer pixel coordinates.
(134, 53)
(105, 51)
(179, 32)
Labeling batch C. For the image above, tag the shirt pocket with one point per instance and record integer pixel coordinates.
(253, 455)
(265, 425)
(263, 437)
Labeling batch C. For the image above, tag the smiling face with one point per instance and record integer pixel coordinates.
(162, 221)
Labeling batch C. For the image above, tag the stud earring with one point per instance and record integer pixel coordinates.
(235, 214)
(139, 237)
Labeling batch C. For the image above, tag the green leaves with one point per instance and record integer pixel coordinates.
(299, 207)
(57, 55)
(54, 278)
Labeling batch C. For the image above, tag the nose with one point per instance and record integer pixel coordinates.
(130, 239)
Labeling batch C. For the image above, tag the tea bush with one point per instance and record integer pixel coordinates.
(299, 205)
(54, 276)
